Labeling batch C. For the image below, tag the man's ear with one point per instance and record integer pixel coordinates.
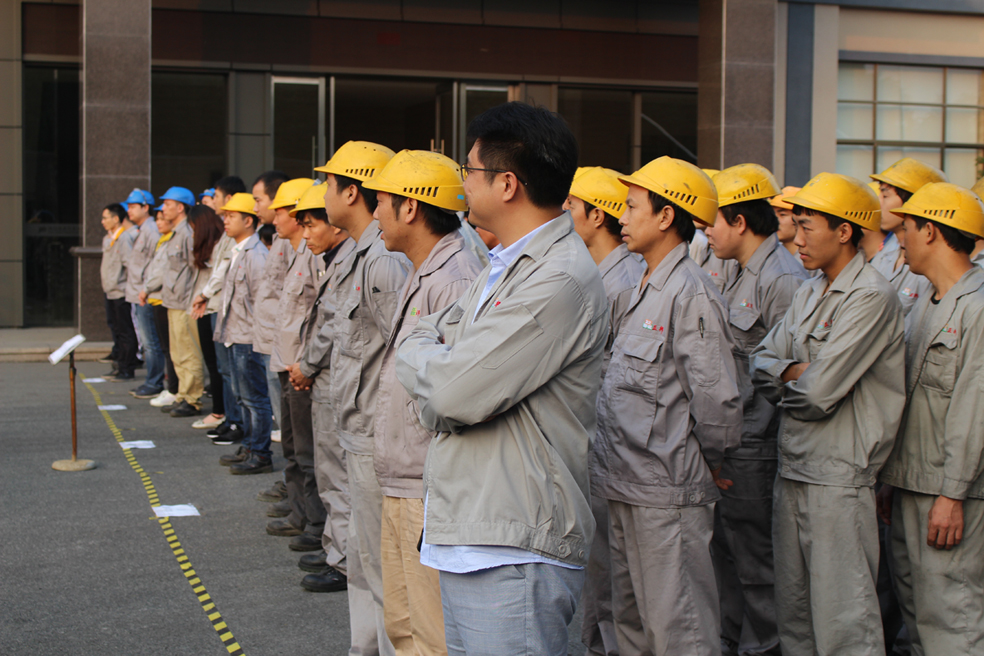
(844, 232)
(511, 185)
(596, 217)
(412, 211)
(665, 217)
(350, 195)
(740, 224)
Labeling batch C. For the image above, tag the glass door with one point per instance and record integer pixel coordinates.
(298, 131)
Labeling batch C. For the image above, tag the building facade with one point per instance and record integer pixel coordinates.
(106, 95)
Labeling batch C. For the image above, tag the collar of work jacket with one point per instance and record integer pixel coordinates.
(612, 260)
(663, 270)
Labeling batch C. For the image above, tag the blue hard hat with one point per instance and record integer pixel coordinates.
(136, 196)
(210, 192)
(148, 197)
(159, 207)
(179, 194)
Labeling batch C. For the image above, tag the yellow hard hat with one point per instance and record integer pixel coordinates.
(948, 204)
(357, 159)
(910, 174)
(680, 182)
(978, 188)
(600, 187)
(290, 191)
(777, 200)
(313, 199)
(429, 177)
(841, 196)
(742, 182)
(711, 172)
(242, 203)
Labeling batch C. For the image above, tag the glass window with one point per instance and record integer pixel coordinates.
(601, 119)
(51, 193)
(189, 121)
(669, 125)
(929, 113)
(395, 113)
(297, 127)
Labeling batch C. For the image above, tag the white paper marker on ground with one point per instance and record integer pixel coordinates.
(110, 408)
(137, 444)
(93, 380)
(182, 510)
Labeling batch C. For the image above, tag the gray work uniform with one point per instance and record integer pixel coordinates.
(329, 457)
(221, 258)
(669, 409)
(474, 243)
(365, 298)
(837, 427)
(909, 286)
(400, 441)
(978, 259)
(141, 255)
(620, 273)
(178, 270)
(237, 313)
(112, 268)
(268, 295)
(940, 452)
(154, 273)
(296, 428)
(758, 296)
(720, 271)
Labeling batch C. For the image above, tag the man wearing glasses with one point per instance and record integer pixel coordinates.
(508, 376)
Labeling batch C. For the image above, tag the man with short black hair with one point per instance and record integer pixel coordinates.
(507, 376)
(120, 234)
(936, 510)
(835, 362)
(141, 254)
(758, 295)
(669, 409)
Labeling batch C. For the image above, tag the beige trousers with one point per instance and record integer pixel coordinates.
(411, 591)
(186, 354)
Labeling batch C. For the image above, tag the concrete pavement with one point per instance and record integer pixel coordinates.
(87, 568)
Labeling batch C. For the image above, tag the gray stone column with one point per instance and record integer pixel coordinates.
(114, 131)
(11, 165)
(736, 77)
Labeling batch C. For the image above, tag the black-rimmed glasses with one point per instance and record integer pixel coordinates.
(466, 170)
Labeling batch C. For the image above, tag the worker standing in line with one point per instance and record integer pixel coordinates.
(835, 362)
(758, 295)
(596, 203)
(897, 184)
(668, 410)
(936, 510)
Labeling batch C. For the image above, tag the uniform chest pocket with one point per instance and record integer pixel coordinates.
(748, 332)
(939, 370)
(348, 333)
(294, 285)
(815, 341)
(640, 362)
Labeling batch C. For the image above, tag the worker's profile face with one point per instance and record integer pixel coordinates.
(110, 221)
(723, 238)
(391, 221)
(163, 225)
(172, 210)
(818, 244)
(640, 224)
(478, 191)
(219, 201)
(317, 234)
(137, 212)
(890, 200)
(262, 203)
(787, 226)
(914, 245)
(285, 224)
(579, 214)
(335, 204)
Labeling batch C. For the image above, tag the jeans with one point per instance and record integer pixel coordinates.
(250, 388)
(153, 354)
(222, 358)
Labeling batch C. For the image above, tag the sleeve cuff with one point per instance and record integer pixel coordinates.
(955, 489)
(307, 371)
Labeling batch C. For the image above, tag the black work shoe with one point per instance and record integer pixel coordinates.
(234, 458)
(234, 436)
(313, 562)
(122, 377)
(107, 359)
(166, 409)
(305, 542)
(185, 409)
(282, 528)
(278, 509)
(218, 430)
(277, 492)
(328, 580)
(254, 464)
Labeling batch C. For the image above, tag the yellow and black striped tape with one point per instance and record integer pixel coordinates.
(225, 635)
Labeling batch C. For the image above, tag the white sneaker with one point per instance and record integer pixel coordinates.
(275, 436)
(211, 421)
(163, 399)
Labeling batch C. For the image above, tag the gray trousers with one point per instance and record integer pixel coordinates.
(297, 439)
(664, 597)
(333, 486)
(598, 627)
(826, 560)
(941, 591)
(364, 555)
(742, 554)
(514, 609)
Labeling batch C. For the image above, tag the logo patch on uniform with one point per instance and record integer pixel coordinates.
(824, 324)
(497, 303)
(648, 325)
(950, 331)
(744, 303)
(712, 274)
(357, 288)
(414, 312)
(908, 292)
